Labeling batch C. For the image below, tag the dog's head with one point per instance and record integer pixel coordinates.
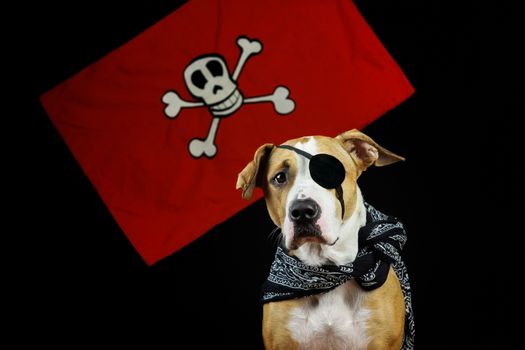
(310, 184)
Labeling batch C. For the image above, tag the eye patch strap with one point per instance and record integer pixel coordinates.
(338, 189)
(296, 150)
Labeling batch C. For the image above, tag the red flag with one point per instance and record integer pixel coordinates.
(162, 125)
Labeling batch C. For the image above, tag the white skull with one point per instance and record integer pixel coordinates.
(208, 78)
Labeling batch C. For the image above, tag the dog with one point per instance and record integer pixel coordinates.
(320, 226)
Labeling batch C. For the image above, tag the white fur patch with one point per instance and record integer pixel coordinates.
(305, 187)
(335, 320)
(345, 250)
(346, 233)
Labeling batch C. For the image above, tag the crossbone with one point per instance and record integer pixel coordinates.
(208, 79)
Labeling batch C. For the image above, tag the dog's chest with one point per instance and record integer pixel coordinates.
(334, 320)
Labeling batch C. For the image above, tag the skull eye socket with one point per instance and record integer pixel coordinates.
(198, 79)
(215, 68)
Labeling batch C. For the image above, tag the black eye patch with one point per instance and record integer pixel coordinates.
(325, 169)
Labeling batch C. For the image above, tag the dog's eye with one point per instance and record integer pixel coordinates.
(280, 178)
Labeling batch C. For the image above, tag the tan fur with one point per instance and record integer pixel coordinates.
(276, 198)
(247, 179)
(386, 323)
(353, 139)
(357, 152)
(275, 318)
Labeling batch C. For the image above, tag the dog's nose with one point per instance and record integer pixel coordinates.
(304, 210)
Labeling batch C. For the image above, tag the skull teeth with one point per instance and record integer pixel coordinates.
(229, 102)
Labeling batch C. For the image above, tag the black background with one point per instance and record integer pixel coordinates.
(77, 279)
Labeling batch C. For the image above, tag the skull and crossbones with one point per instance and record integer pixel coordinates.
(208, 79)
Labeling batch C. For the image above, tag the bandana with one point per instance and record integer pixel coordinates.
(380, 243)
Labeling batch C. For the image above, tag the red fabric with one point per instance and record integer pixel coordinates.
(111, 115)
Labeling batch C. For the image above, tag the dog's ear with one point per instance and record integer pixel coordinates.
(249, 177)
(366, 151)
